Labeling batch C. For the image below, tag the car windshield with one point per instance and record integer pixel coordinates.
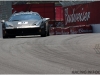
(25, 17)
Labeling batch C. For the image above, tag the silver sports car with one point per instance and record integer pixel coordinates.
(25, 23)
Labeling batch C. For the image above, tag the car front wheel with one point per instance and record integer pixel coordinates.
(12, 36)
(44, 33)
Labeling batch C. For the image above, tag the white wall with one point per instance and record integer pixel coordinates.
(96, 28)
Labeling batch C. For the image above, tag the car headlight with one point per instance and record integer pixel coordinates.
(9, 25)
(33, 24)
(37, 24)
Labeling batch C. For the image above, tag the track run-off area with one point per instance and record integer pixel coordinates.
(56, 54)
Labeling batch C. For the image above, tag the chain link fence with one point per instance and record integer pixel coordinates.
(5, 9)
(65, 3)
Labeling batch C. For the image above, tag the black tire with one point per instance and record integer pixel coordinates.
(43, 31)
(12, 36)
(5, 37)
(43, 34)
(4, 34)
(48, 33)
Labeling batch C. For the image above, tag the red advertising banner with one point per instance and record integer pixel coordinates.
(59, 31)
(94, 9)
(59, 13)
(80, 29)
(82, 14)
(66, 30)
(45, 10)
(52, 30)
(19, 8)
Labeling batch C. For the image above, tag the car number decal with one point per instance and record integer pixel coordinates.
(23, 22)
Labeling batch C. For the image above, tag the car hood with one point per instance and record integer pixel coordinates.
(22, 23)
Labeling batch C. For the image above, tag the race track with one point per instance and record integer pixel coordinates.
(60, 54)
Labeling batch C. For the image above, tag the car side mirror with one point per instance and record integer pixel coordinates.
(2, 21)
(46, 19)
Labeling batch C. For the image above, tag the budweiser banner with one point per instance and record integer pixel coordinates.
(82, 14)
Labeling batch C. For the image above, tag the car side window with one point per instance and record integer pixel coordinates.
(39, 17)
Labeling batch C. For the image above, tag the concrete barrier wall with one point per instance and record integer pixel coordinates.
(71, 30)
(0, 30)
(96, 28)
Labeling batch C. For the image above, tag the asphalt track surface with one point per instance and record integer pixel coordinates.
(60, 54)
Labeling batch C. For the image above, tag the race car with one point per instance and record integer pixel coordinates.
(25, 23)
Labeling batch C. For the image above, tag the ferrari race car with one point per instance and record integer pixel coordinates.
(25, 23)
